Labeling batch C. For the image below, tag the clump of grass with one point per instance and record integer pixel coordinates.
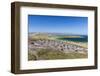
(60, 55)
(31, 56)
(50, 54)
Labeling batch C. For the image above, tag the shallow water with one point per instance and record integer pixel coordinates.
(81, 39)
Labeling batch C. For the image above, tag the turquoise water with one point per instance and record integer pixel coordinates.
(81, 39)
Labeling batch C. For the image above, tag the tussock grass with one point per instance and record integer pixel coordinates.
(31, 56)
(49, 54)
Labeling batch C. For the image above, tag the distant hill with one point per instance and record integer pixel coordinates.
(53, 33)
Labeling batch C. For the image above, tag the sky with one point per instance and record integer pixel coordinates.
(58, 24)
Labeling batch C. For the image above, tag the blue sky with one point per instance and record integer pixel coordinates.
(58, 24)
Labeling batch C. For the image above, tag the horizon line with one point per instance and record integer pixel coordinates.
(58, 32)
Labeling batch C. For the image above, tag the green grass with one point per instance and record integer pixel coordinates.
(47, 54)
(31, 56)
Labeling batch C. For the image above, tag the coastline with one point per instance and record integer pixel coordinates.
(50, 45)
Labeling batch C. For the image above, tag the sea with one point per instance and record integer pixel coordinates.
(83, 38)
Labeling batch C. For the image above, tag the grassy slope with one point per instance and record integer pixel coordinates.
(47, 54)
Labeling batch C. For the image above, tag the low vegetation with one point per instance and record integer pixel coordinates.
(47, 54)
(49, 46)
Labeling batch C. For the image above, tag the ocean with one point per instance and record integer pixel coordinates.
(81, 39)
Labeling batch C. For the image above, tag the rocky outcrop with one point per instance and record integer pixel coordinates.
(56, 45)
